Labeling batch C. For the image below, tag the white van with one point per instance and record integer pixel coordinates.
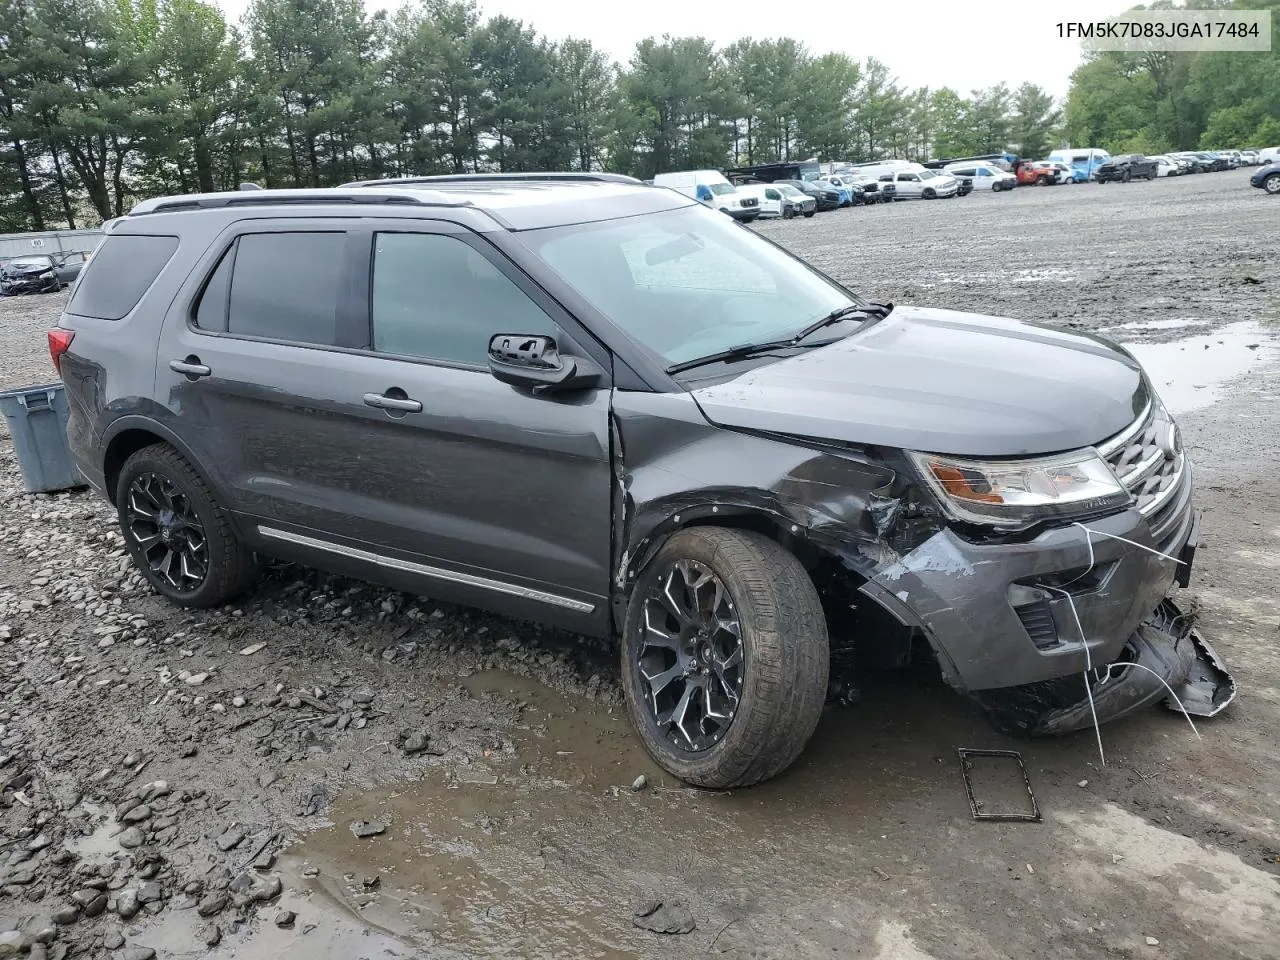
(878, 168)
(1083, 161)
(1269, 155)
(712, 188)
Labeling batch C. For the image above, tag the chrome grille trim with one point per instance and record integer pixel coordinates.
(1140, 464)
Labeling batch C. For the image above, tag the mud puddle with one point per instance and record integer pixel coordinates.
(546, 850)
(1190, 373)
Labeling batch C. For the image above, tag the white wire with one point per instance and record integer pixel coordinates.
(1088, 657)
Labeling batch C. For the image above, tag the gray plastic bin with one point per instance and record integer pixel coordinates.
(38, 424)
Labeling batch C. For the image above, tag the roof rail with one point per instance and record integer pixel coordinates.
(557, 177)
(244, 198)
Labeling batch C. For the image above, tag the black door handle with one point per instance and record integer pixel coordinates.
(190, 367)
(389, 401)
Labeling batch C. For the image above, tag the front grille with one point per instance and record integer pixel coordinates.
(750, 202)
(1148, 458)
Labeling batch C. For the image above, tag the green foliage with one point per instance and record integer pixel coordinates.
(103, 102)
(1127, 102)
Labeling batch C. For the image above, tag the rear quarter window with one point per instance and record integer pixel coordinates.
(121, 270)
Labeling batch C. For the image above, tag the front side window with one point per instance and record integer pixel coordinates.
(772, 195)
(436, 297)
(286, 286)
(908, 176)
(687, 283)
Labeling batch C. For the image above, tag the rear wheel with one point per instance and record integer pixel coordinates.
(724, 657)
(179, 536)
(1044, 181)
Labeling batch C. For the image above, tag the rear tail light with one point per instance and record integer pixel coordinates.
(59, 341)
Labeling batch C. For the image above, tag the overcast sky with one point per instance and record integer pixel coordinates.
(924, 42)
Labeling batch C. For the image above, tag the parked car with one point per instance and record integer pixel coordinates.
(1126, 167)
(730, 454)
(985, 176)
(845, 193)
(873, 190)
(712, 188)
(847, 186)
(1250, 158)
(1232, 157)
(40, 273)
(774, 202)
(1269, 155)
(964, 186)
(1083, 161)
(808, 205)
(825, 196)
(1211, 162)
(1042, 172)
(1268, 178)
(1166, 166)
(922, 184)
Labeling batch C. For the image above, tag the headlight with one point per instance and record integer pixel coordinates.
(47, 275)
(1015, 493)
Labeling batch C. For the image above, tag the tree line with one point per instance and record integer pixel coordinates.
(104, 102)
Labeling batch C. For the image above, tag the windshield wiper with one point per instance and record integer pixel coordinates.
(745, 350)
(835, 316)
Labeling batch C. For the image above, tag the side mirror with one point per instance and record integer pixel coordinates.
(534, 362)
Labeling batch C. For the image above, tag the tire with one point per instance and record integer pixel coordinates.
(1272, 184)
(1044, 181)
(167, 481)
(1128, 175)
(810, 213)
(788, 213)
(930, 194)
(781, 679)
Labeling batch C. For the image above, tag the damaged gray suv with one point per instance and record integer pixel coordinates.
(593, 403)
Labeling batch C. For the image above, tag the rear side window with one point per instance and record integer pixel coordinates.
(284, 286)
(122, 269)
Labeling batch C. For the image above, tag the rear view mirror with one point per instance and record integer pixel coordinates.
(534, 362)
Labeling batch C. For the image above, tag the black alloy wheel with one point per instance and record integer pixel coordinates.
(690, 661)
(167, 532)
(179, 535)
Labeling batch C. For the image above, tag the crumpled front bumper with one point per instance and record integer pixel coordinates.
(1166, 660)
(997, 614)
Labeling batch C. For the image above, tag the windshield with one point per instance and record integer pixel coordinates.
(720, 189)
(688, 283)
(789, 191)
(927, 174)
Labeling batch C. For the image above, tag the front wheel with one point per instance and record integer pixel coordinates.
(724, 657)
(179, 536)
(810, 213)
(1272, 184)
(929, 194)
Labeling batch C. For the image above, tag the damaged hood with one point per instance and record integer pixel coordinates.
(944, 382)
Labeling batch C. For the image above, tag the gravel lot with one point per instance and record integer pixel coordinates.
(332, 770)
